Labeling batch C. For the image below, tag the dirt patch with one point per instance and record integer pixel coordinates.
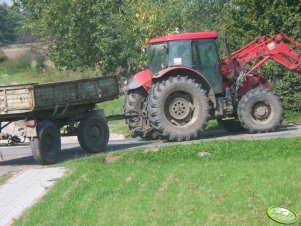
(16, 52)
(203, 154)
(112, 158)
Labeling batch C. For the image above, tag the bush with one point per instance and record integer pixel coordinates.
(289, 89)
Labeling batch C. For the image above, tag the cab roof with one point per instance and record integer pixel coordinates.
(184, 36)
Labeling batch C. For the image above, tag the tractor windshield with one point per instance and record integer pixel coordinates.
(173, 53)
(157, 57)
(179, 53)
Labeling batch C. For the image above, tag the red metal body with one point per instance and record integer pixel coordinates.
(184, 36)
(142, 78)
(279, 48)
(241, 64)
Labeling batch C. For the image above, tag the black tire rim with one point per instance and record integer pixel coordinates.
(261, 112)
(179, 108)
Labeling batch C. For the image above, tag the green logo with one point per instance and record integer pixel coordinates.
(282, 215)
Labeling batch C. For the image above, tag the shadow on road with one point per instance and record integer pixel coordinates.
(68, 152)
(10, 156)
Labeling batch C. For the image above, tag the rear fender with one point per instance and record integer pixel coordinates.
(141, 79)
(173, 71)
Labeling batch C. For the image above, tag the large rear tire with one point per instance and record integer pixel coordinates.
(178, 108)
(93, 133)
(260, 110)
(135, 106)
(46, 147)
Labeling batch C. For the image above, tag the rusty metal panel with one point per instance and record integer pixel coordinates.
(76, 92)
(19, 100)
(16, 99)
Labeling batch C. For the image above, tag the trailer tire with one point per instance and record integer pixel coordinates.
(46, 147)
(93, 133)
(178, 108)
(135, 103)
(260, 110)
(231, 125)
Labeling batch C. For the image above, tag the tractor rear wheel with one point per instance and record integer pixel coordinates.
(178, 108)
(135, 106)
(260, 110)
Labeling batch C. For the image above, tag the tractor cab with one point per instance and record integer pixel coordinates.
(196, 51)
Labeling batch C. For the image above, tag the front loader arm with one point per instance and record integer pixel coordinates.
(280, 48)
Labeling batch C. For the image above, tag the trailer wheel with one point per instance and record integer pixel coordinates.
(178, 108)
(260, 110)
(46, 147)
(135, 104)
(93, 133)
(231, 125)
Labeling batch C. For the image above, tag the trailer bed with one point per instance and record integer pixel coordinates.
(55, 99)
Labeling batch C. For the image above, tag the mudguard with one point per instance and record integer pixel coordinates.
(141, 79)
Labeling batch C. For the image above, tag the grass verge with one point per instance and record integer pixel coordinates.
(210, 183)
(4, 178)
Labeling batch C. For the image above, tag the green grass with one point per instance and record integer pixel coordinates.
(20, 71)
(15, 66)
(292, 117)
(233, 185)
(5, 177)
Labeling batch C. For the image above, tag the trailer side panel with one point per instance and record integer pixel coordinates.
(75, 92)
(16, 99)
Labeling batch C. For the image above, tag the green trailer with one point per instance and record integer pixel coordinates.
(58, 109)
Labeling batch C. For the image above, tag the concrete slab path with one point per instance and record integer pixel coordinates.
(23, 190)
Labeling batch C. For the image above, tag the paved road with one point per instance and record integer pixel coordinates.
(16, 158)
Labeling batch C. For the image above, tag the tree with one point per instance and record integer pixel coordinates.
(10, 20)
(110, 34)
(246, 19)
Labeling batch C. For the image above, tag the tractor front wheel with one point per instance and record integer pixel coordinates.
(178, 108)
(260, 110)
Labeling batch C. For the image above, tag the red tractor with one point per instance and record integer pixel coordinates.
(187, 84)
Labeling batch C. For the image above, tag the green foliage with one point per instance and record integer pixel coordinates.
(247, 19)
(10, 23)
(289, 89)
(109, 35)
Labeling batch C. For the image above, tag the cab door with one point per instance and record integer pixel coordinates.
(205, 59)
